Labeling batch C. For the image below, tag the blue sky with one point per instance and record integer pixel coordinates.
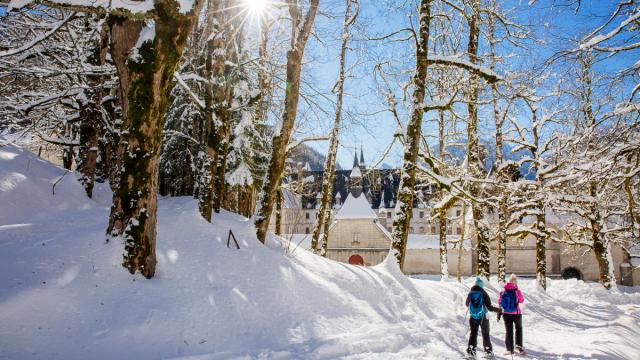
(553, 27)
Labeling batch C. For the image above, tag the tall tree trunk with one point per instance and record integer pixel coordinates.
(404, 206)
(541, 223)
(67, 151)
(263, 79)
(221, 162)
(501, 231)
(328, 176)
(217, 102)
(275, 170)
(91, 116)
(473, 148)
(541, 247)
(501, 239)
(601, 246)
(88, 150)
(278, 229)
(145, 84)
(442, 212)
(207, 166)
(107, 167)
(602, 251)
(444, 266)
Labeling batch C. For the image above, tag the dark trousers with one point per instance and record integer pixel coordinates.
(509, 321)
(473, 339)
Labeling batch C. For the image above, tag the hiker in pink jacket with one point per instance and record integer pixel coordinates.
(510, 300)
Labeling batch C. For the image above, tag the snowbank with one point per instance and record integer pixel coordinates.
(64, 294)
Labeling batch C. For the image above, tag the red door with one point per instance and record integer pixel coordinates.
(356, 260)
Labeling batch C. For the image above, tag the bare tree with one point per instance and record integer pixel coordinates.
(300, 31)
(321, 228)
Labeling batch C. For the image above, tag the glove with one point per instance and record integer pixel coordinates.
(499, 315)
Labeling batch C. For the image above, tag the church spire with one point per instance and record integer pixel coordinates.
(361, 157)
(355, 159)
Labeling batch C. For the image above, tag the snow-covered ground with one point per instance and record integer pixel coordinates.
(64, 295)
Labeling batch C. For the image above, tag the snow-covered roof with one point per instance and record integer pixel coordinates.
(356, 208)
(290, 199)
(355, 172)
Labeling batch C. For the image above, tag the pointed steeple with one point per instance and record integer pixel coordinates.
(361, 157)
(355, 159)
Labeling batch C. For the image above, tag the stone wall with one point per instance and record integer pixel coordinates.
(371, 257)
(584, 260)
(357, 233)
(521, 257)
(427, 261)
(362, 237)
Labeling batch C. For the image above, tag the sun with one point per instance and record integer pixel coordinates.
(256, 6)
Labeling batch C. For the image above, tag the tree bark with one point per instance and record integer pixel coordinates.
(501, 239)
(88, 150)
(473, 148)
(328, 176)
(278, 229)
(292, 91)
(444, 266)
(442, 212)
(541, 247)
(217, 98)
(221, 162)
(404, 206)
(145, 84)
(601, 246)
(90, 114)
(503, 216)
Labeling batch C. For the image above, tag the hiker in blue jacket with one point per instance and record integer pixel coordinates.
(510, 300)
(479, 303)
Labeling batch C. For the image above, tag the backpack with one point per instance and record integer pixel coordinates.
(509, 301)
(476, 305)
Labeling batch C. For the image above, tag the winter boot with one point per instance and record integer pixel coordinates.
(520, 351)
(471, 352)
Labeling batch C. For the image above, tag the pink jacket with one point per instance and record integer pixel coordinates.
(510, 286)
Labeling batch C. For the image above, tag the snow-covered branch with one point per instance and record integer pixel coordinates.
(489, 75)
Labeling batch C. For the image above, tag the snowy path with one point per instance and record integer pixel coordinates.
(64, 295)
